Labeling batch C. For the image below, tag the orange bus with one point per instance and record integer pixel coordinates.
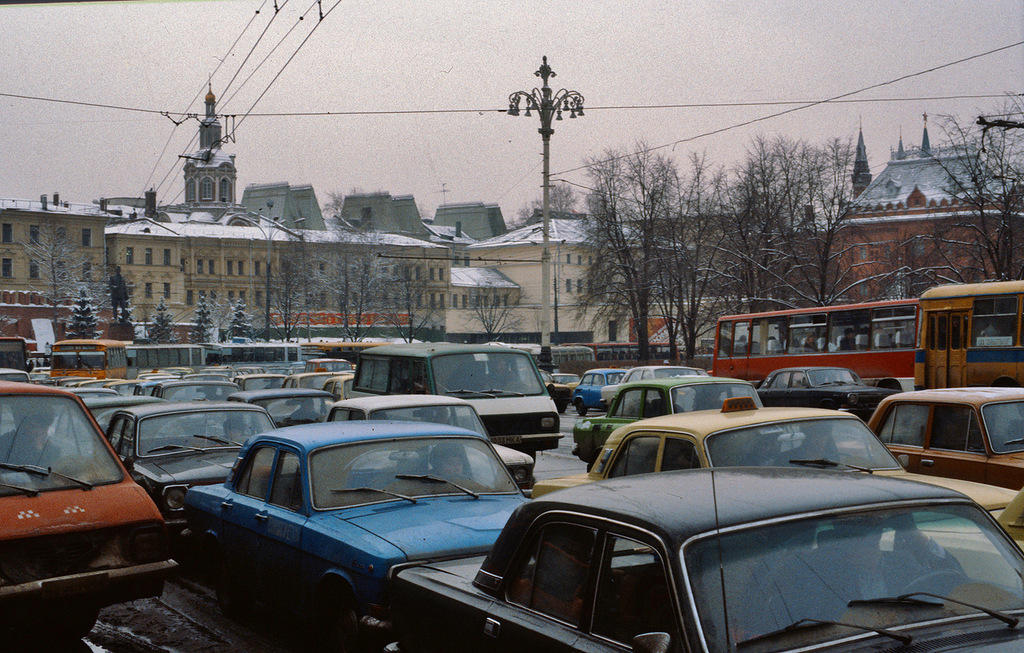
(99, 359)
(876, 340)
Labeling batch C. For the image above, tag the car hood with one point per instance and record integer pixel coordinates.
(436, 527)
(192, 468)
(989, 497)
(550, 485)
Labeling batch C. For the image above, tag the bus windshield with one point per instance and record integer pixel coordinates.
(78, 360)
(487, 374)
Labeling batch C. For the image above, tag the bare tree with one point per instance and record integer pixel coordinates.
(289, 289)
(562, 200)
(494, 312)
(352, 278)
(57, 263)
(412, 305)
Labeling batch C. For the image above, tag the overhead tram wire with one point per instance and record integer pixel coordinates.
(277, 11)
(832, 99)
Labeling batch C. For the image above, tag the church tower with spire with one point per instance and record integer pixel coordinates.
(210, 173)
(861, 171)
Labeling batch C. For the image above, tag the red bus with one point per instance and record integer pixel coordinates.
(13, 353)
(875, 340)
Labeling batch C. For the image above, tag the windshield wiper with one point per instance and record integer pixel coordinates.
(463, 391)
(213, 438)
(1017, 441)
(373, 489)
(27, 490)
(44, 471)
(499, 391)
(908, 599)
(436, 479)
(808, 623)
(825, 462)
(173, 447)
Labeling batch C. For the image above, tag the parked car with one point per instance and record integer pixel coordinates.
(328, 365)
(340, 386)
(289, 406)
(730, 560)
(314, 516)
(103, 407)
(91, 391)
(123, 386)
(741, 435)
(259, 381)
(194, 390)
(560, 392)
(571, 380)
(645, 372)
(653, 398)
(76, 534)
(975, 434)
(821, 387)
(313, 380)
(169, 447)
(438, 410)
(247, 370)
(9, 374)
(587, 394)
(207, 376)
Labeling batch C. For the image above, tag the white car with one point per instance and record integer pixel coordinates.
(645, 372)
(437, 409)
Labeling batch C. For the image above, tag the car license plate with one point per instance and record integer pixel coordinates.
(507, 439)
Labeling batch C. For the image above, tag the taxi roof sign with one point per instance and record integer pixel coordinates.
(736, 404)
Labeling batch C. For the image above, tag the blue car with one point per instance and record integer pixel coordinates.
(312, 517)
(587, 394)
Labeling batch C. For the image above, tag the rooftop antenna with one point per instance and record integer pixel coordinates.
(444, 193)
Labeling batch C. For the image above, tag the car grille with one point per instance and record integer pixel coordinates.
(38, 558)
(517, 424)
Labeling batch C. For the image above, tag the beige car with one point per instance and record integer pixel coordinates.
(314, 380)
(340, 386)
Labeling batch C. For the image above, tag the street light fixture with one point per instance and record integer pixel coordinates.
(548, 106)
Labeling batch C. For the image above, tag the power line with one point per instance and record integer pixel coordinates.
(277, 10)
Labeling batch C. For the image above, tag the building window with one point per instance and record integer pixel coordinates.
(568, 285)
(190, 190)
(568, 259)
(231, 267)
(440, 274)
(432, 305)
(6, 267)
(181, 264)
(431, 274)
(241, 267)
(189, 297)
(86, 237)
(225, 190)
(149, 290)
(579, 285)
(467, 261)
(8, 233)
(579, 259)
(259, 298)
(465, 301)
(231, 295)
(241, 295)
(206, 189)
(167, 257)
(455, 300)
(33, 270)
(149, 256)
(199, 266)
(256, 268)
(33, 233)
(167, 291)
(209, 266)
(129, 255)
(417, 273)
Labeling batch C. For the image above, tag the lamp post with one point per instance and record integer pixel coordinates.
(548, 106)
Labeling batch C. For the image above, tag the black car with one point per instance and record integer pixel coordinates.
(737, 559)
(171, 446)
(821, 387)
(289, 406)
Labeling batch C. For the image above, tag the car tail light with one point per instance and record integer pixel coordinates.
(148, 544)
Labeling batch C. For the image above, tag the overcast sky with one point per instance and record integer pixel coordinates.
(454, 55)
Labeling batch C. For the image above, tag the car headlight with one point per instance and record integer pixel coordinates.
(548, 423)
(174, 497)
(520, 474)
(851, 399)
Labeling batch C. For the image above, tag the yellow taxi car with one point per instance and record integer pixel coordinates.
(741, 435)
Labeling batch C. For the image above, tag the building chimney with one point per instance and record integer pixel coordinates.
(56, 198)
(458, 229)
(103, 204)
(150, 203)
(42, 200)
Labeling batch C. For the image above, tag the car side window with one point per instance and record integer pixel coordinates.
(905, 424)
(636, 456)
(633, 594)
(779, 381)
(629, 404)
(679, 454)
(286, 490)
(654, 404)
(114, 433)
(255, 478)
(798, 380)
(552, 579)
(954, 428)
(588, 379)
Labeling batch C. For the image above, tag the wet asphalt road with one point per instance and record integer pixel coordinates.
(186, 618)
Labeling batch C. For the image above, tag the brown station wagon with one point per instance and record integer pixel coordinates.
(976, 434)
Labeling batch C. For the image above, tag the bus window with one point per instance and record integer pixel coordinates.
(739, 343)
(995, 321)
(892, 327)
(725, 339)
(848, 330)
(938, 333)
(807, 333)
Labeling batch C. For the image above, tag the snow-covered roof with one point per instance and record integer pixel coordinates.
(480, 278)
(447, 234)
(928, 172)
(562, 231)
(906, 217)
(204, 230)
(77, 208)
(217, 158)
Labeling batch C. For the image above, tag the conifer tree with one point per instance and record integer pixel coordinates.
(202, 322)
(83, 317)
(162, 330)
(241, 323)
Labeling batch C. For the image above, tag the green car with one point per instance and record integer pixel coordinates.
(654, 397)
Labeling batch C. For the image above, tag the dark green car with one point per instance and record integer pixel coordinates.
(654, 397)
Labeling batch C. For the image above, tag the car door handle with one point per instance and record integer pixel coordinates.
(492, 627)
(226, 504)
(927, 462)
(261, 517)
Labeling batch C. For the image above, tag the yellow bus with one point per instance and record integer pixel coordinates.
(970, 336)
(99, 359)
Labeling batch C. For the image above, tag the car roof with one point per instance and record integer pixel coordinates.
(262, 375)
(674, 381)
(20, 388)
(307, 374)
(810, 367)
(377, 402)
(168, 407)
(975, 396)
(425, 349)
(703, 422)
(106, 401)
(7, 370)
(605, 370)
(177, 383)
(277, 393)
(308, 437)
(678, 505)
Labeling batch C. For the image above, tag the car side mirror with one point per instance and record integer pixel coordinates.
(904, 459)
(652, 643)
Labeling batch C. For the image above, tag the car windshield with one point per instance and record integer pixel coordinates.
(263, 383)
(565, 378)
(669, 372)
(828, 442)
(708, 396)
(406, 468)
(54, 438)
(462, 416)
(289, 411)
(1005, 425)
(199, 429)
(832, 376)
(197, 392)
(486, 373)
(315, 382)
(813, 569)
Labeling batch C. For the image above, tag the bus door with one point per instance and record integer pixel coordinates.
(937, 350)
(956, 355)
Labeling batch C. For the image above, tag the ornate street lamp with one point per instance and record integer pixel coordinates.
(548, 106)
